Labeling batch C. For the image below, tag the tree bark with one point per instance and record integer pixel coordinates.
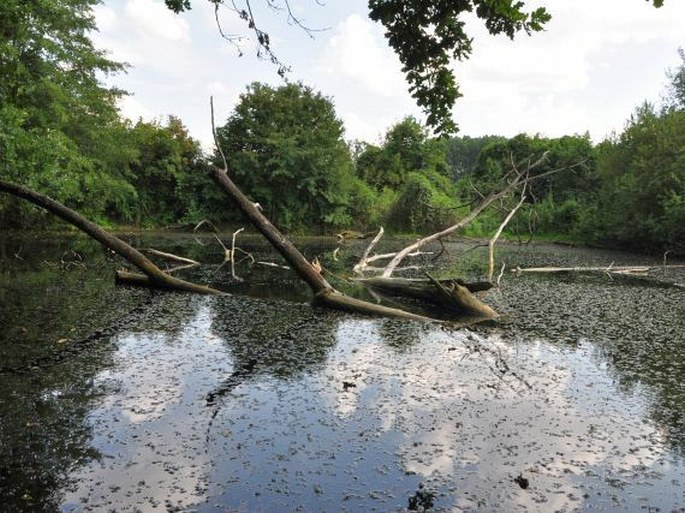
(454, 295)
(155, 275)
(324, 294)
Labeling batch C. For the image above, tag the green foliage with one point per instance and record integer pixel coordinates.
(427, 35)
(363, 209)
(405, 149)
(567, 170)
(286, 149)
(462, 153)
(425, 204)
(58, 121)
(641, 201)
(563, 185)
(556, 217)
(167, 173)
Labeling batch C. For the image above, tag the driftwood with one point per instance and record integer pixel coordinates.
(453, 295)
(609, 269)
(169, 256)
(152, 274)
(459, 298)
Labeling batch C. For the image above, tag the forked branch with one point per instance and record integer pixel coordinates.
(516, 177)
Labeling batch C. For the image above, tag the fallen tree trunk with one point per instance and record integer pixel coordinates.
(606, 269)
(453, 295)
(417, 287)
(324, 294)
(155, 276)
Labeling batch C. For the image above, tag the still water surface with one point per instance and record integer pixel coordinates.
(118, 399)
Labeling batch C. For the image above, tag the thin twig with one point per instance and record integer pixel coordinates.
(501, 272)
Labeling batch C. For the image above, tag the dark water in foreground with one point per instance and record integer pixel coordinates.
(575, 401)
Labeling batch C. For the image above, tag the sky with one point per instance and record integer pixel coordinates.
(587, 72)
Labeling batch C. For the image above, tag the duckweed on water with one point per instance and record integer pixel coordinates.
(186, 403)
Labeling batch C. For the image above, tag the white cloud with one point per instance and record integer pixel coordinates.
(595, 62)
(105, 17)
(358, 127)
(218, 88)
(587, 71)
(132, 109)
(357, 51)
(155, 20)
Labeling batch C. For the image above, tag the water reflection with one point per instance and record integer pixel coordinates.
(636, 329)
(460, 413)
(150, 426)
(283, 338)
(578, 390)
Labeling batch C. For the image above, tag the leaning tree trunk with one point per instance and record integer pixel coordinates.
(324, 294)
(154, 276)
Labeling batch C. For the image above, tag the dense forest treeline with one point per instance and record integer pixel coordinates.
(61, 134)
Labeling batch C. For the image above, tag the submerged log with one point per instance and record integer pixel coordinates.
(417, 287)
(155, 276)
(453, 295)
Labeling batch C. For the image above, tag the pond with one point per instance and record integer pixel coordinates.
(129, 400)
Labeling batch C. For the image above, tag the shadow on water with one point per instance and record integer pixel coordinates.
(54, 339)
(128, 400)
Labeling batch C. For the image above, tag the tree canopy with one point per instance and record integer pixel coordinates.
(406, 148)
(55, 115)
(641, 201)
(60, 133)
(60, 130)
(285, 147)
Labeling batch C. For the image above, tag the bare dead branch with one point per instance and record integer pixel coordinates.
(364, 259)
(232, 254)
(170, 256)
(505, 222)
(610, 269)
(516, 180)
